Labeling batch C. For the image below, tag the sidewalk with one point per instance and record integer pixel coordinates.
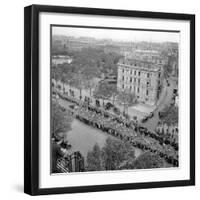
(144, 108)
(162, 95)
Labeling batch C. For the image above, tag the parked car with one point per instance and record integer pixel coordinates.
(63, 109)
(72, 106)
(142, 129)
(108, 106)
(161, 114)
(144, 119)
(175, 91)
(126, 116)
(151, 115)
(54, 96)
(116, 110)
(135, 118)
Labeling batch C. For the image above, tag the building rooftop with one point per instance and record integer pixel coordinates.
(139, 64)
(146, 51)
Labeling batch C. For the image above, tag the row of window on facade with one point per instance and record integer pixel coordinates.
(138, 65)
(134, 89)
(135, 73)
(135, 80)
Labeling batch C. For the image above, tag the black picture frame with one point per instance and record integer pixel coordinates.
(31, 98)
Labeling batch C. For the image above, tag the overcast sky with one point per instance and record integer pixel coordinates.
(125, 35)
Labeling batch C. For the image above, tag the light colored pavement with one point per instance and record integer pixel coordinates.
(165, 100)
(140, 111)
(83, 137)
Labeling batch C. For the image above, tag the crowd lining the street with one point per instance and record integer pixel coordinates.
(126, 130)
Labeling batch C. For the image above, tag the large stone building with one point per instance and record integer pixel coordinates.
(141, 78)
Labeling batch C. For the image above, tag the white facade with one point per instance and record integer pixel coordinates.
(141, 78)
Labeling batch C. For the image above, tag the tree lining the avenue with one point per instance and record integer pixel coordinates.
(117, 154)
(90, 63)
(169, 114)
(127, 99)
(61, 121)
(104, 91)
(148, 160)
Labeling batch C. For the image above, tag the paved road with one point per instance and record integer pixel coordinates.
(165, 101)
(83, 137)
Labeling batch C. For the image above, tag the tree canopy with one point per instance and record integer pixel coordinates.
(126, 98)
(168, 68)
(170, 114)
(103, 91)
(148, 160)
(115, 152)
(94, 159)
(113, 156)
(61, 121)
(91, 62)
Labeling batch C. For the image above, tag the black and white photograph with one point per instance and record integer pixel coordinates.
(109, 99)
(114, 99)
(98, 100)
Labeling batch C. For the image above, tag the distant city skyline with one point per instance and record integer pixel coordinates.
(120, 35)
